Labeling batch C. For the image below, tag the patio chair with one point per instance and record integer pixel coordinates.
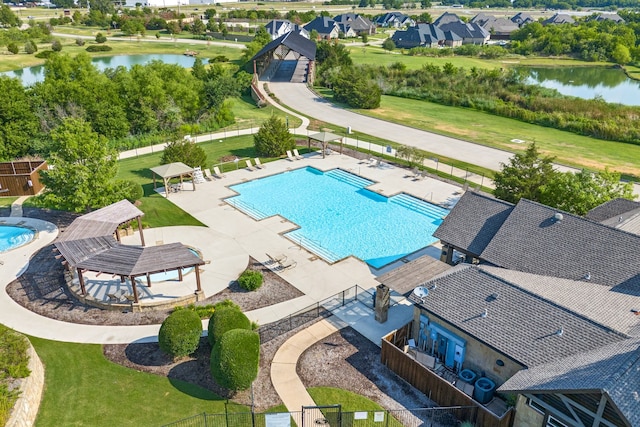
(277, 259)
(258, 164)
(290, 156)
(250, 166)
(217, 173)
(207, 175)
(283, 265)
(130, 298)
(297, 155)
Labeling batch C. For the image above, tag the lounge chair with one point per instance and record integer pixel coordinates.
(217, 173)
(258, 164)
(277, 259)
(297, 155)
(290, 156)
(284, 265)
(250, 166)
(207, 175)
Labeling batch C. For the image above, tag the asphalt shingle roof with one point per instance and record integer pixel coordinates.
(614, 369)
(322, 24)
(293, 41)
(465, 31)
(473, 222)
(519, 324)
(612, 209)
(533, 241)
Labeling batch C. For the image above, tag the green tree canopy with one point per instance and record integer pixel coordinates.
(18, 122)
(185, 151)
(7, 17)
(273, 139)
(524, 176)
(84, 169)
(388, 45)
(579, 192)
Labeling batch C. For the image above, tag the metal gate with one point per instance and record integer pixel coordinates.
(328, 416)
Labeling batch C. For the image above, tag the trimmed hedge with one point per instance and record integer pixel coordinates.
(250, 280)
(98, 48)
(224, 319)
(235, 358)
(180, 333)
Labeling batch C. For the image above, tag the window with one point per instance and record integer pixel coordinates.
(552, 422)
(535, 405)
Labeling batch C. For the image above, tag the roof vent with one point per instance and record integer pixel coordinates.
(558, 216)
(587, 276)
(484, 314)
(560, 331)
(434, 287)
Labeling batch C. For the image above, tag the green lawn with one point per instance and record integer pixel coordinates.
(82, 388)
(7, 201)
(350, 402)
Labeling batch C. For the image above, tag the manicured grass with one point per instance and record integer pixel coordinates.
(82, 388)
(568, 148)
(7, 201)
(350, 402)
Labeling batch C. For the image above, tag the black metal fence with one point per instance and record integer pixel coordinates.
(321, 309)
(334, 417)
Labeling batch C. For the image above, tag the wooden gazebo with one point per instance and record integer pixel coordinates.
(88, 244)
(324, 138)
(172, 170)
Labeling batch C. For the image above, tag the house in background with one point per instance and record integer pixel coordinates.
(326, 27)
(559, 18)
(421, 35)
(358, 24)
(522, 18)
(498, 28)
(279, 27)
(452, 39)
(470, 33)
(610, 17)
(447, 18)
(545, 307)
(394, 20)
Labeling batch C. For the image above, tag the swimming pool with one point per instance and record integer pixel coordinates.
(12, 236)
(339, 217)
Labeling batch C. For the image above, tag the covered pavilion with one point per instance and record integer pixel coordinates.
(88, 244)
(172, 170)
(324, 138)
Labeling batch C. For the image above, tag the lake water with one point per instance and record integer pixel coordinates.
(31, 75)
(611, 84)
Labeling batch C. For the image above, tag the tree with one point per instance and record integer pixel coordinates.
(332, 54)
(104, 6)
(524, 177)
(388, 45)
(85, 168)
(412, 155)
(273, 138)
(579, 192)
(353, 87)
(18, 122)
(7, 17)
(621, 54)
(210, 13)
(180, 333)
(100, 38)
(185, 151)
(235, 359)
(30, 47)
(198, 27)
(56, 46)
(13, 48)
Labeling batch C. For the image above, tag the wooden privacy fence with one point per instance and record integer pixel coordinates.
(21, 178)
(435, 387)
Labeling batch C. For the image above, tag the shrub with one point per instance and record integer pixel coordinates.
(180, 333)
(185, 151)
(79, 42)
(235, 358)
(14, 362)
(224, 319)
(250, 280)
(273, 138)
(13, 48)
(101, 38)
(45, 54)
(30, 47)
(129, 190)
(56, 46)
(203, 311)
(219, 58)
(102, 48)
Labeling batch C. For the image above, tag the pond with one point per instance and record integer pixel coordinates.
(31, 75)
(610, 84)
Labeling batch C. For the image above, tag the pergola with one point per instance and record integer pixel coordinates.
(88, 244)
(324, 138)
(172, 170)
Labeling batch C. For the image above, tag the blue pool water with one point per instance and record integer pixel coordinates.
(12, 237)
(338, 217)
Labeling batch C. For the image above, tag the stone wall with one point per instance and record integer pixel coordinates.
(26, 408)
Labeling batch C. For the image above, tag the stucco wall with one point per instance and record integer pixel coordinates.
(526, 416)
(26, 408)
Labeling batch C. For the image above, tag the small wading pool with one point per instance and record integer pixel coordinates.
(12, 237)
(169, 275)
(339, 217)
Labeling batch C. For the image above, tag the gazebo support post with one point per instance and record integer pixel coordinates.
(122, 279)
(148, 280)
(167, 190)
(135, 290)
(154, 181)
(118, 235)
(81, 281)
(199, 288)
(180, 274)
(140, 230)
